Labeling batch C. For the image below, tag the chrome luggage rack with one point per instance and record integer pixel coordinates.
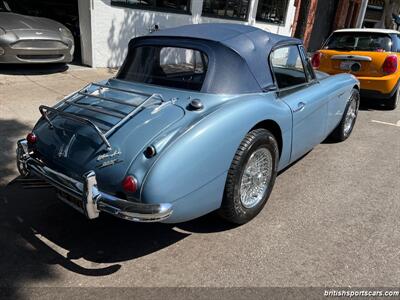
(103, 132)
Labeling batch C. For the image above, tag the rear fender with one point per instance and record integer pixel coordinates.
(205, 150)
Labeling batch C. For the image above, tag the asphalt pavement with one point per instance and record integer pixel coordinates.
(332, 219)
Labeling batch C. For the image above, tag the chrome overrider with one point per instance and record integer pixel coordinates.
(93, 200)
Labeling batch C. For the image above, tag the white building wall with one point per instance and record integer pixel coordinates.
(85, 27)
(113, 27)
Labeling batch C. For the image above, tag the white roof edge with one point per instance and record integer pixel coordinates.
(377, 30)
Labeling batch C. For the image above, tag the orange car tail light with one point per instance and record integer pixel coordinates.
(316, 59)
(390, 64)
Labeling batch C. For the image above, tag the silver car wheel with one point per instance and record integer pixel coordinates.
(256, 177)
(350, 116)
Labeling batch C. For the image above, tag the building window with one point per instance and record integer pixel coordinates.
(229, 9)
(272, 11)
(374, 13)
(177, 6)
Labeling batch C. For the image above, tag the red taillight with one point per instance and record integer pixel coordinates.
(129, 184)
(390, 64)
(316, 59)
(31, 138)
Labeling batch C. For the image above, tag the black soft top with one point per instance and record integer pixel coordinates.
(237, 54)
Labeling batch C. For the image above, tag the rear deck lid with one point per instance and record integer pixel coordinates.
(359, 53)
(355, 62)
(127, 119)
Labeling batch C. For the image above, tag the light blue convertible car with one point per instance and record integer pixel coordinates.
(199, 118)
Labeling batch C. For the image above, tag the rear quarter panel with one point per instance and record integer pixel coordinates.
(204, 152)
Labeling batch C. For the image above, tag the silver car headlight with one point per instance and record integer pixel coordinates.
(65, 32)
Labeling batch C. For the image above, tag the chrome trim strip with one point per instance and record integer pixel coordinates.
(132, 211)
(351, 57)
(37, 44)
(92, 198)
(120, 89)
(86, 94)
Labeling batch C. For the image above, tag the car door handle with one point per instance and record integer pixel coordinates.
(300, 107)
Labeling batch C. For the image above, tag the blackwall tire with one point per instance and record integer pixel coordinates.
(251, 177)
(392, 102)
(346, 125)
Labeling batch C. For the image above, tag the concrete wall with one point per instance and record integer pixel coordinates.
(85, 26)
(112, 27)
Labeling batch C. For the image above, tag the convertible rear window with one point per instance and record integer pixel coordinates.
(181, 68)
(361, 41)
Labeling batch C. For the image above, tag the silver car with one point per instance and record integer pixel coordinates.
(26, 39)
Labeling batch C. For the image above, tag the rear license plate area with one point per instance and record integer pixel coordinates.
(347, 65)
(72, 201)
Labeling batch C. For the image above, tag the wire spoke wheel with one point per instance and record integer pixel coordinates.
(256, 176)
(346, 125)
(251, 177)
(350, 116)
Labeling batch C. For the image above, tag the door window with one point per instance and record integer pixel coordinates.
(288, 67)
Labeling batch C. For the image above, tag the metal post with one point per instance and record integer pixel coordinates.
(361, 13)
(310, 22)
(297, 4)
(253, 12)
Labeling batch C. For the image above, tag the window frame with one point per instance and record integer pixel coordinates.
(294, 87)
(269, 22)
(395, 42)
(154, 7)
(307, 63)
(210, 15)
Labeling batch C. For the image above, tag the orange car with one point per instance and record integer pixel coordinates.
(372, 55)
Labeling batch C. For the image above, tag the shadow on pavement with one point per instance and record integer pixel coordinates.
(372, 104)
(32, 69)
(31, 213)
(38, 230)
(10, 132)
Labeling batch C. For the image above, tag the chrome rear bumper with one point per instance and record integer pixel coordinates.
(89, 199)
